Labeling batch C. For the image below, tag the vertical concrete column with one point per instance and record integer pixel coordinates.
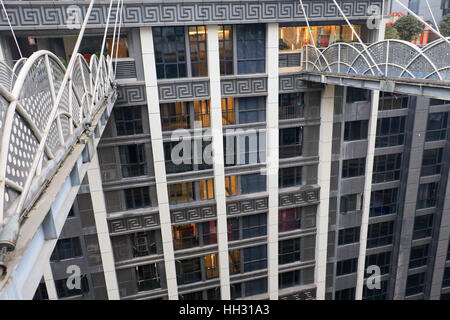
(414, 148)
(323, 178)
(442, 245)
(218, 163)
(272, 161)
(151, 86)
(371, 137)
(101, 224)
(50, 282)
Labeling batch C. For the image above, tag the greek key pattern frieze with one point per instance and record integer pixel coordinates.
(243, 86)
(299, 198)
(246, 206)
(26, 15)
(133, 223)
(183, 90)
(134, 94)
(192, 214)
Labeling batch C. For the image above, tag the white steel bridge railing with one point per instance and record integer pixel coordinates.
(28, 95)
(387, 58)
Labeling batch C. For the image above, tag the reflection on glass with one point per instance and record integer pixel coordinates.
(294, 38)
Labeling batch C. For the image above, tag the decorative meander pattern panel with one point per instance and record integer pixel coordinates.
(51, 14)
(243, 86)
(177, 90)
(299, 198)
(134, 223)
(131, 94)
(246, 206)
(291, 82)
(193, 214)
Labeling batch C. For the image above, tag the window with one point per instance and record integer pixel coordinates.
(210, 294)
(251, 48)
(174, 165)
(128, 120)
(244, 147)
(252, 109)
(67, 248)
(390, 132)
(423, 227)
(376, 294)
(346, 294)
(351, 203)
(392, 101)
(353, 168)
(135, 245)
(170, 52)
(252, 183)
(387, 168)
(292, 39)
(247, 227)
(174, 116)
(289, 279)
(347, 236)
(415, 284)
(147, 277)
(446, 278)
(226, 49)
(356, 95)
(247, 259)
(248, 288)
(380, 234)
(346, 267)
(290, 177)
(231, 188)
(132, 160)
(289, 219)
(291, 140)
(289, 251)
(382, 260)
(136, 198)
(185, 191)
(188, 271)
(356, 130)
(427, 195)
(383, 202)
(431, 163)
(202, 113)
(418, 256)
(228, 112)
(291, 105)
(193, 235)
(63, 290)
(197, 45)
(255, 258)
(437, 126)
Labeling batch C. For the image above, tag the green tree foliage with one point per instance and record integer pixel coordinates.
(391, 33)
(444, 25)
(408, 28)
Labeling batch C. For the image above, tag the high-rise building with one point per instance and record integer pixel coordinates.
(222, 173)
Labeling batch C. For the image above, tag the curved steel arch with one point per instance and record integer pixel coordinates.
(25, 110)
(394, 58)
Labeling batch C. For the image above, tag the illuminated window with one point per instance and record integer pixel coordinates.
(197, 41)
(228, 115)
(226, 49)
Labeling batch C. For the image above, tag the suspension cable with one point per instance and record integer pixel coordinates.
(101, 52)
(421, 20)
(432, 16)
(310, 32)
(114, 37)
(357, 36)
(118, 39)
(12, 30)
